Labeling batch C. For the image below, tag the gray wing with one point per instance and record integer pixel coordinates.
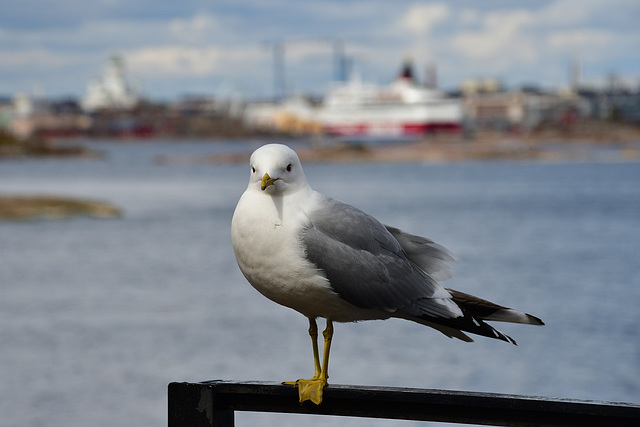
(367, 266)
(434, 259)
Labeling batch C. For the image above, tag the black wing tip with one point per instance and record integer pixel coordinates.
(471, 324)
(497, 334)
(535, 320)
(508, 339)
(482, 328)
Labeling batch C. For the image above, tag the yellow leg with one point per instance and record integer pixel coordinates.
(313, 333)
(312, 388)
(328, 335)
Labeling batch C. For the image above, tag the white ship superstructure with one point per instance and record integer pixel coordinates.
(401, 109)
(357, 109)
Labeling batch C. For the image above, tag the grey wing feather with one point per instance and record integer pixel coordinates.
(377, 267)
(367, 266)
(433, 258)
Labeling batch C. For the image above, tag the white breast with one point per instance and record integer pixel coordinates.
(269, 253)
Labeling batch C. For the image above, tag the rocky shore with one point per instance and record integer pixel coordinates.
(13, 148)
(439, 151)
(591, 141)
(15, 208)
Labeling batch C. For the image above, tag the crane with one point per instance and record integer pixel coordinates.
(340, 61)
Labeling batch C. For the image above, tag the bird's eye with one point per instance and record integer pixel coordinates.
(253, 170)
(289, 167)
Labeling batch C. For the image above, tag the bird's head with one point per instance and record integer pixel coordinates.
(276, 169)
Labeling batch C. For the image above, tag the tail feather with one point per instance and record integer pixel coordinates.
(454, 327)
(487, 310)
(474, 312)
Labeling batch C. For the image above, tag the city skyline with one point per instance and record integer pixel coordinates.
(227, 49)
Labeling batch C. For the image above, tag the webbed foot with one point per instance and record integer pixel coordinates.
(310, 389)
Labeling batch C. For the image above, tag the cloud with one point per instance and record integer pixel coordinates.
(191, 61)
(174, 61)
(514, 40)
(421, 18)
(505, 36)
(37, 57)
(200, 43)
(565, 13)
(469, 17)
(199, 28)
(580, 40)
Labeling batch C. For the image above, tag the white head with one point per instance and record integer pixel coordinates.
(276, 169)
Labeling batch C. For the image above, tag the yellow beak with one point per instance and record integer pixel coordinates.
(267, 181)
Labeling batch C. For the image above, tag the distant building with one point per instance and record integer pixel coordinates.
(24, 106)
(26, 117)
(110, 91)
(7, 112)
(521, 109)
(478, 86)
(610, 104)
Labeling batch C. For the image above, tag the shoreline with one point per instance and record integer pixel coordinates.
(589, 140)
(581, 141)
(24, 208)
(432, 151)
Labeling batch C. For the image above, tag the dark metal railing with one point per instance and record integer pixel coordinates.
(212, 403)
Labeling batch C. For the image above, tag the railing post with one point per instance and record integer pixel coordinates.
(196, 407)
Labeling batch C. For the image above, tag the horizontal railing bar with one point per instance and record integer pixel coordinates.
(212, 403)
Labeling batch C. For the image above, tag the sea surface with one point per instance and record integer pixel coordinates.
(98, 316)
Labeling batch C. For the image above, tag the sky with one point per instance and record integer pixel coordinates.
(52, 48)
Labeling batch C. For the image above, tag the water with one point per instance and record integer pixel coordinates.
(98, 316)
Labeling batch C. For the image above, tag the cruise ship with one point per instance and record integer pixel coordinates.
(401, 109)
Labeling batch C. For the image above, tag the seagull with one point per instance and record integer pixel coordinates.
(327, 259)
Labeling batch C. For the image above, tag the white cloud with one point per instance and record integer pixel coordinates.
(39, 58)
(189, 61)
(581, 40)
(469, 17)
(506, 36)
(305, 49)
(586, 12)
(567, 12)
(198, 28)
(421, 18)
(174, 61)
(183, 45)
(506, 40)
